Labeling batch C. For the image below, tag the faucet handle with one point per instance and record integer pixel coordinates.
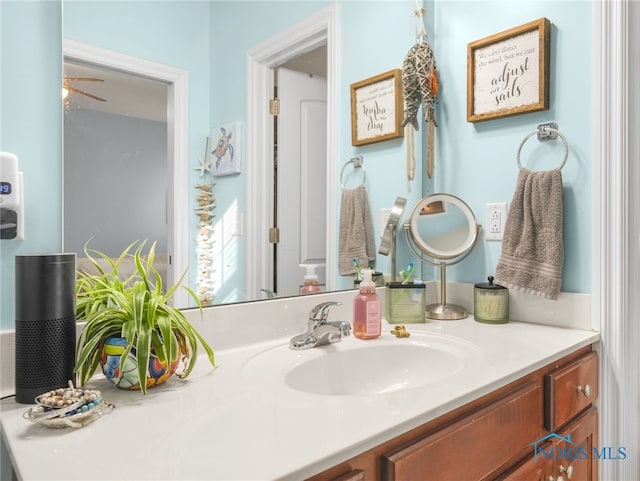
(320, 312)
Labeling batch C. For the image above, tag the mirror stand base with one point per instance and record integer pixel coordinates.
(445, 312)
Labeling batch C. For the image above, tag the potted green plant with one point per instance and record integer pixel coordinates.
(131, 329)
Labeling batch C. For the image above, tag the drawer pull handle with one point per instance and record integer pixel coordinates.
(568, 470)
(586, 390)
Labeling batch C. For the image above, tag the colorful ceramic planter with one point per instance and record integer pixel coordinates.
(125, 374)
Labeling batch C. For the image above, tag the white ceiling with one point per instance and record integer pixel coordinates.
(313, 62)
(125, 94)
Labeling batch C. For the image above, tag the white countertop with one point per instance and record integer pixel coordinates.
(222, 425)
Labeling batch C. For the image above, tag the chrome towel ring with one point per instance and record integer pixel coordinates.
(357, 164)
(547, 132)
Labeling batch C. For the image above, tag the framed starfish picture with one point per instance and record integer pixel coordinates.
(226, 156)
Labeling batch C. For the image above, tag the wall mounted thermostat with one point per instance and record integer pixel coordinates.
(11, 198)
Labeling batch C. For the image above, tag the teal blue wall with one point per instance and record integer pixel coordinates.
(174, 33)
(31, 127)
(475, 161)
(235, 28)
(374, 37)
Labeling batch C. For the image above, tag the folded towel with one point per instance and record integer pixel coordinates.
(532, 247)
(355, 239)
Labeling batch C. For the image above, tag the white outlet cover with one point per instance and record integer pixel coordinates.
(384, 218)
(495, 220)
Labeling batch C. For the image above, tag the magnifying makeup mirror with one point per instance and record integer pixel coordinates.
(443, 227)
(388, 239)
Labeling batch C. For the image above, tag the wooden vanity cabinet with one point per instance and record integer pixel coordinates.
(578, 463)
(569, 390)
(476, 446)
(495, 437)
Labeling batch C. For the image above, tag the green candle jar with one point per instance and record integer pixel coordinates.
(490, 303)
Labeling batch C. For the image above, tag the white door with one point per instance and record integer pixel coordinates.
(301, 186)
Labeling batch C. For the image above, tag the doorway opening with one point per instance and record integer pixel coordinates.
(175, 205)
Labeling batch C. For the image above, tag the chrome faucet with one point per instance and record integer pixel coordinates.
(321, 331)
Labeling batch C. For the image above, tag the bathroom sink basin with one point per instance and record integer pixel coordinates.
(356, 367)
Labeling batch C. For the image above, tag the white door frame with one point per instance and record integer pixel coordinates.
(314, 31)
(177, 144)
(616, 230)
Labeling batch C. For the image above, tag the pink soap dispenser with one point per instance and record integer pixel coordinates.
(311, 285)
(367, 314)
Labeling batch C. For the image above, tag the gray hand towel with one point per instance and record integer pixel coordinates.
(355, 239)
(532, 247)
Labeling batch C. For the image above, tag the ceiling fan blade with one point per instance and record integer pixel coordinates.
(81, 92)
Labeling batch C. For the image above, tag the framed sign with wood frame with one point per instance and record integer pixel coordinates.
(376, 108)
(508, 73)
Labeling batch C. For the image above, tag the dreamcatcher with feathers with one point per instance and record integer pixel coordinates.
(420, 85)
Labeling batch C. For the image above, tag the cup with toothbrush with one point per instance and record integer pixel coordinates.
(406, 274)
(356, 264)
(378, 278)
(406, 299)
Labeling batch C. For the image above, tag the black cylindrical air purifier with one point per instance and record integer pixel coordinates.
(45, 323)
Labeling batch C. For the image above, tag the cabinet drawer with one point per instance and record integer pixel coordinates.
(561, 459)
(569, 390)
(475, 447)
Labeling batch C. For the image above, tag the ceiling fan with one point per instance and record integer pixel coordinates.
(68, 88)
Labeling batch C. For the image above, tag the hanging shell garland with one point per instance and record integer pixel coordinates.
(205, 240)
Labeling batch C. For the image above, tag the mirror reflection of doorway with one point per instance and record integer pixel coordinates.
(313, 32)
(300, 167)
(116, 162)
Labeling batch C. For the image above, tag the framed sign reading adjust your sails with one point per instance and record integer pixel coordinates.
(508, 73)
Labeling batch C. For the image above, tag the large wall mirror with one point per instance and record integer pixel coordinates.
(133, 155)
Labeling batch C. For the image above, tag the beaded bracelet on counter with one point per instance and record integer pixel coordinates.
(68, 407)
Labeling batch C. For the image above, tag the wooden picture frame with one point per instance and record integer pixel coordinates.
(376, 108)
(508, 73)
